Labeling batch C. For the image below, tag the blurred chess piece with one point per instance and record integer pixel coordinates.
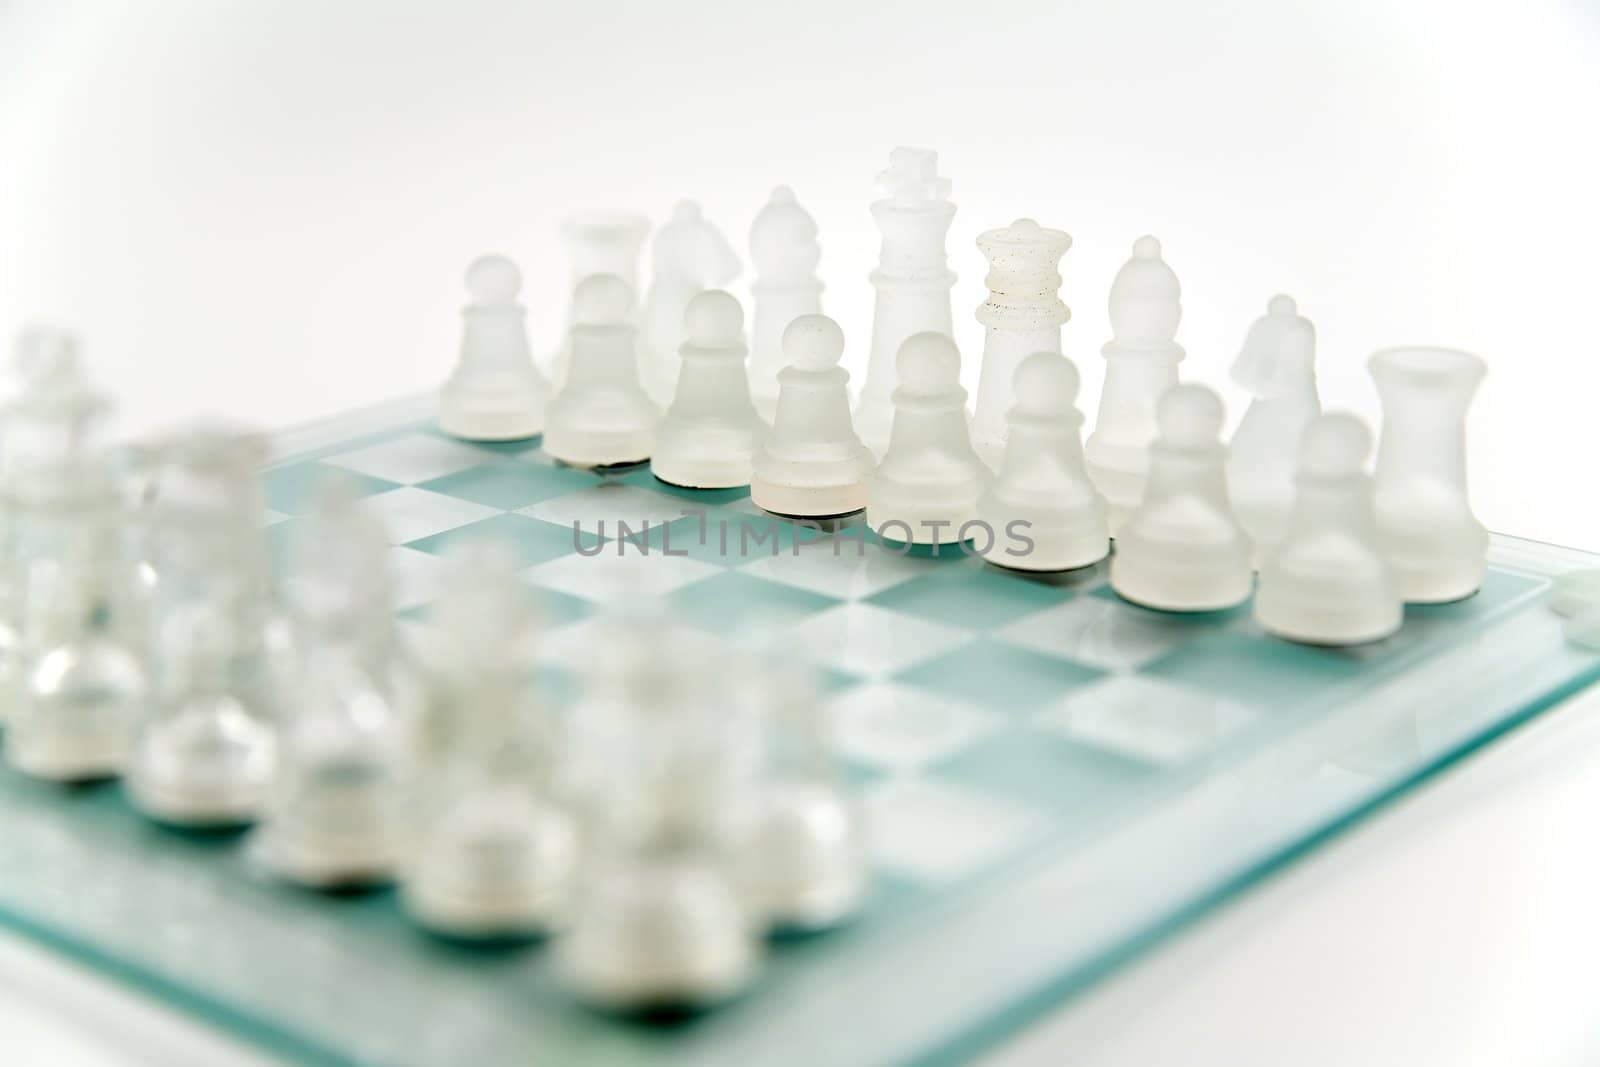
(1142, 360)
(80, 688)
(598, 242)
(338, 811)
(687, 256)
(206, 754)
(785, 252)
(497, 853)
(912, 280)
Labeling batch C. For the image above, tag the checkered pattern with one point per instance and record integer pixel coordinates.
(979, 709)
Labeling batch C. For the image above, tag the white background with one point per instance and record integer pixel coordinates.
(263, 208)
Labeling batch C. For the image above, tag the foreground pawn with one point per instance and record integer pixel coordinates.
(205, 756)
(1434, 542)
(1043, 492)
(661, 919)
(497, 854)
(1182, 549)
(1327, 582)
(687, 256)
(495, 392)
(601, 416)
(912, 281)
(1142, 360)
(812, 465)
(804, 851)
(1277, 367)
(337, 814)
(81, 688)
(598, 242)
(926, 489)
(709, 436)
(1022, 315)
(784, 250)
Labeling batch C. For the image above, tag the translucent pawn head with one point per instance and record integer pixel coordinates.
(1189, 417)
(813, 343)
(602, 300)
(1046, 383)
(1144, 304)
(714, 319)
(1335, 447)
(493, 280)
(1279, 351)
(929, 364)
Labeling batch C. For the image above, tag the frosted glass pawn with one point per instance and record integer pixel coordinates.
(1432, 539)
(598, 242)
(912, 282)
(1327, 582)
(601, 416)
(337, 814)
(1043, 485)
(927, 487)
(785, 252)
(495, 392)
(709, 435)
(497, 854)
(1022, 315)
(688, 256)
(1182, 549)
(1277, 367)
(812, 464)
(1141, 365)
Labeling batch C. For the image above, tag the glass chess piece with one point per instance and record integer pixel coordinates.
(205, 756)
(497, 852)
(80, 687)
(660, 919)
(338, 813)
(1433, 540)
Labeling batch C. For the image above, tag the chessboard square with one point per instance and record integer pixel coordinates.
(1045, 772)
(530, 540)
(610, 509)
(410, 514)
(414, 576)
(1147, 719)
(1102, 633)
(272, 518)
(840, 564)
(644, 479)
(900, 729)
(999, 676)
(977, 596)
(610, 578)
(557, 609)
(734, 603)
(509, 485)
(1257, 670)
(291, 489)
(939, 832)
(410, 458)
(872, 642)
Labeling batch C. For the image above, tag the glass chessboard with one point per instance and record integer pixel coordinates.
(1054, 779)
